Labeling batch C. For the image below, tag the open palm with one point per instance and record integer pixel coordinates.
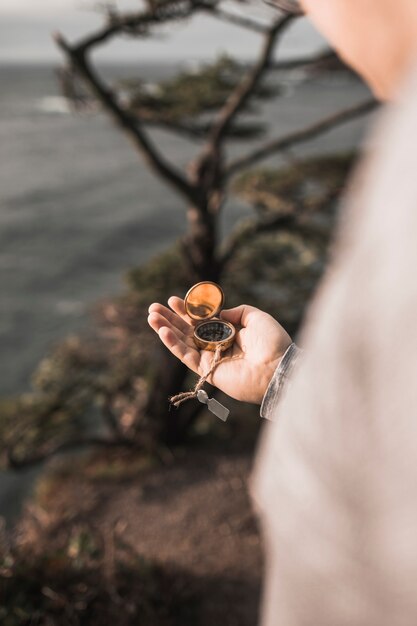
(246, 368)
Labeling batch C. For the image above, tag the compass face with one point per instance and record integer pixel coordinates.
(214, 331)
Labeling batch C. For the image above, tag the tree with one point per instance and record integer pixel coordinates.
(208, 107)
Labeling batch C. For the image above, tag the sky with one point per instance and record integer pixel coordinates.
(26, 27)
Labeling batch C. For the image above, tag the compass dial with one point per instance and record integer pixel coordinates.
(214, 331)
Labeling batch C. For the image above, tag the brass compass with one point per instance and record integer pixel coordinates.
(203, 302)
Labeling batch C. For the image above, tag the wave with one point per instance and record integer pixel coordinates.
(54, 104)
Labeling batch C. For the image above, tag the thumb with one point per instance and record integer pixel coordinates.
(239, 315)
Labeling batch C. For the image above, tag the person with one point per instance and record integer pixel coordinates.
(335, 480)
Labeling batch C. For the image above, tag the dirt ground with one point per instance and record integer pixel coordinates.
(189, 520)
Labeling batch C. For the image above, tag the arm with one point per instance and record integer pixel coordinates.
(336, 474)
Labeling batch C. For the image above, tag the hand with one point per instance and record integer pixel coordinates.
(247, 367)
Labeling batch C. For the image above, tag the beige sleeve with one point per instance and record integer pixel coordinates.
(279, 382)
(335, 482)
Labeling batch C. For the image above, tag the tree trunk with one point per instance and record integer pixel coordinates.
(200, 247)
(200, 244)
(167, 421)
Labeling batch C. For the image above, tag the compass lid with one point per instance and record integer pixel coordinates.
(204, 300)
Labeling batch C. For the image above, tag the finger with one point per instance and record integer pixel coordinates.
(170, 316)
(240, 315)
(240, 341)
(189, 356)
(157, 321)
(177, 305)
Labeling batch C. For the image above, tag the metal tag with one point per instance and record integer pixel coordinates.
(213, 405)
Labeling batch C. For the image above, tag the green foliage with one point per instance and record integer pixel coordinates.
(279, 271)
(84, 379)
(26, 422)
(192, 95)
(65, 386)
(164, 276)
(309, 182)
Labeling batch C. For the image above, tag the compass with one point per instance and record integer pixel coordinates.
(203, 303)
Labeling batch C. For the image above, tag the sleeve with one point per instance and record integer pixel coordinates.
(278, 383)
(335, 479)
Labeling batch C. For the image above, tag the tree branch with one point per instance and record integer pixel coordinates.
(245, 89)
(126, 121)
(197, 132)
(15, 463)
(300, 136)
(237, 20)
(290, 64)
(249, 228)
(138, 23)
(185, 129)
